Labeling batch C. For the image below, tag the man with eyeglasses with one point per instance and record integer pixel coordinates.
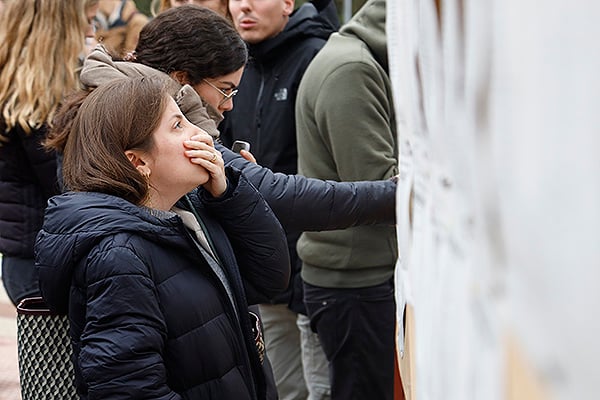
(281, 42)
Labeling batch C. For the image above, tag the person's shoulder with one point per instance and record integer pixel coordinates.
(138, 19)
(337, 49)
(129, 10)
(340, 52)
(131, 15)
(120, 253)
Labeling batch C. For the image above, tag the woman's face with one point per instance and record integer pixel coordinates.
(219, 92)
(171, 173)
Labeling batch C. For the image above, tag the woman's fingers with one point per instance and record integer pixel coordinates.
(200, 150)
(203, 137)
(209, 156)
(214, 164)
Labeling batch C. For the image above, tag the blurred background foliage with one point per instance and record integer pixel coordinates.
(346, 8)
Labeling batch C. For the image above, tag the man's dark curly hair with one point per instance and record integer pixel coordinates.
(192, 39)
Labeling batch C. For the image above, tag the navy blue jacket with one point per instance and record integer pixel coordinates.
(304, 204)
(149, 318)
(27, 180)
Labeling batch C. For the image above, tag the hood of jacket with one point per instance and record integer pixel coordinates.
(75, 222)
(99, 67)
(368, 24)
(306, 21)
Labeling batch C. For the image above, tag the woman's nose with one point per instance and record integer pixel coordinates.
(227, 105)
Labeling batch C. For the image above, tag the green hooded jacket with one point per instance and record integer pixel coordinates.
(346, 131)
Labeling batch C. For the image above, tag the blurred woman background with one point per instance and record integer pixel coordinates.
(219, 6)
(42, 44)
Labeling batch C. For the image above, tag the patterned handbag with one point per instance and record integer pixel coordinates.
(44, 349)
(259, 339)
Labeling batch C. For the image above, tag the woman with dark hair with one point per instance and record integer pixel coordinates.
(156, 252)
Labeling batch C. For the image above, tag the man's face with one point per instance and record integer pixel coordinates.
(258, 20)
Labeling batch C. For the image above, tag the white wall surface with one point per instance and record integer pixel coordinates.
(498, 109)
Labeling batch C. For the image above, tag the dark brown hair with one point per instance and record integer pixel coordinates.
(192, 39)
(94, 129)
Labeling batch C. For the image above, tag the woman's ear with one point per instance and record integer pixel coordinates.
(138, 162)
(180, 76)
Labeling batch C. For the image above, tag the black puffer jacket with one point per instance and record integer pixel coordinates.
(305, 204)
(149, 317)
(27, 181)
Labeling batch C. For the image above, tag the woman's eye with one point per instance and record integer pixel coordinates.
(178, 125)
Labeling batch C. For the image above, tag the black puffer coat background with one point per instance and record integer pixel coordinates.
(27, 181)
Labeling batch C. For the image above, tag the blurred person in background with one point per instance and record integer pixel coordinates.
(219, 6)
(118, 24)
(41, 48)
(91, 9)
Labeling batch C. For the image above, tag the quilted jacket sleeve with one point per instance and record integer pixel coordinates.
(305, 204)
(122, 341)
(256, 236)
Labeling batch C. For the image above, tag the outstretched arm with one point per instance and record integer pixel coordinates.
(305, 204)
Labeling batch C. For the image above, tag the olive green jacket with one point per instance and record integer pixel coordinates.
(346, 131)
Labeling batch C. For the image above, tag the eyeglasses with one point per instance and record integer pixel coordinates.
(226, 96)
